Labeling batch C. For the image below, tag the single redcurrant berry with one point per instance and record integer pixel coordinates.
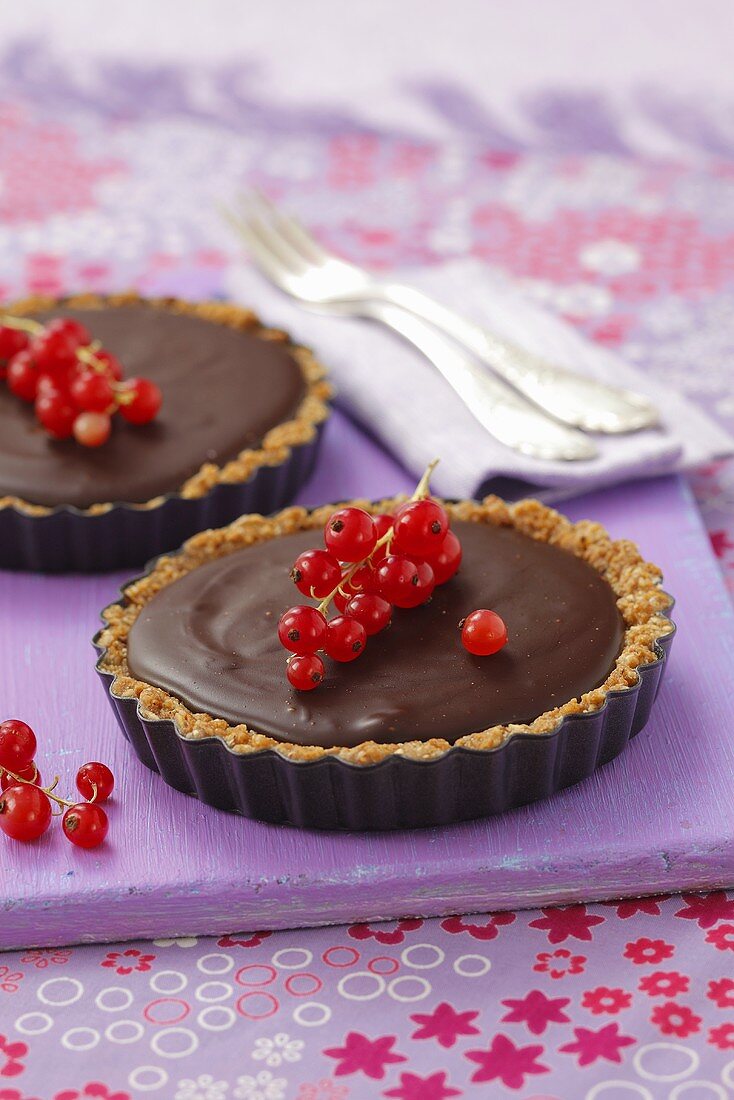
(17, 745)
(95, 775)
(345, 638)
(85, 824)
(302, 629)
(350, 534)
(23, 376)
(140, 400)
(447, 560)
(371, 610)
(25, 812)
(92, 391)
(54, 349)
(56, 413)
(483, 632)
(30, 774)
(108, 364)
(363, 579)
(420, 528)
(12, 340)
(74, 331)
(404, 582)
(305, 672)
(342, 598)
(92, 429)
(316, 573)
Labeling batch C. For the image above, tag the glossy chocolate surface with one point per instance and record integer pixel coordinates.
(223, 390)
(210, 640)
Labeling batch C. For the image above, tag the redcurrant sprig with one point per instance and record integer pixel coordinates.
(26, 806)
(76, 386)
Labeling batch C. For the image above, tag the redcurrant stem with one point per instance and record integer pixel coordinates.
(46, 790)
(25, 324)
(421, 491)
(85, 355)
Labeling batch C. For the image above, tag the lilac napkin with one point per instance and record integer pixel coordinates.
(395, 392)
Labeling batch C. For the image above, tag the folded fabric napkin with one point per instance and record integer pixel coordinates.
(395, 392)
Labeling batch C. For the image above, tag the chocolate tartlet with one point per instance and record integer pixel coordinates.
(238, 430)
(418, 731)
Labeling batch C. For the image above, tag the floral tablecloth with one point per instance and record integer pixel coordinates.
(110, 177)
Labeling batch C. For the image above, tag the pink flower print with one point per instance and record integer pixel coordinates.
(605, 1000)
(537, 1011)
(136, 960)
(10, 1055)
(444, 1024)
(14, 1094)
(721, 543)
(722, 937)
(589, 1046)
(645, 950)
(707, 909)
(567, 922)
(663, 983)
(47, 956)
(325, 1089)
(632, 907)
(559, 963)
(10, 979)
(413, 1087)
(243, 939)
(722, 1036)
(93, 1090)
(383, 934)
(489, 930)
(721, 992)
(362, 1055)
(506, 1062)
(674, 1019)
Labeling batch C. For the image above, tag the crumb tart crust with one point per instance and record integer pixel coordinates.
(635, 583)
(274, 449)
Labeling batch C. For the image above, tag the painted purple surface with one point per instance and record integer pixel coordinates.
(655, 820)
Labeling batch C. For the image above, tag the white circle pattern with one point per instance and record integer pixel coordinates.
(358, 974)
(23, 1026)
(103, 996)
(299, 1014)
(306, 960)
(227, 1018)
(43, 991)
(406, 956)
(72, 1040)
(166, 988)
(676, 1075)
(157, 1078)
(134, 1028)
(610, 1090)
(205, 992)
(413, 979)
(712, 1089)
(727, 1074)
(159, 1042)
(227, 963)
(483, 968)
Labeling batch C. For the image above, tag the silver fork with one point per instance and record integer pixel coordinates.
(288, 256)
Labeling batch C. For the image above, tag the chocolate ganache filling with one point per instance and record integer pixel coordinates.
(209, 639)
(223, 390)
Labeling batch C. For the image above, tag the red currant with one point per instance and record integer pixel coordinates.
(302, 629)
(483, 632)
(371, 610)
(55, 348)
(383, 523)
(17, 745)
(316, 573)
(363, 579)
(56, 413)
(12, 340)
(446, 561)
(25, 812)
(92, 429)
(94, 774)
(109, 364)
(305, 672)
(73, 330)
(23, 375)
(345, 638)
(30, 774)
(420, 528)
(92, 391)
(350, 534)
(85, 824)
(143, 405)
(404, 582)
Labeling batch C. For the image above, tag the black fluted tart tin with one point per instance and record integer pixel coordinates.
(126, 536)
(398, 792)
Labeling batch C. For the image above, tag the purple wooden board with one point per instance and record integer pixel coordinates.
(657, 819)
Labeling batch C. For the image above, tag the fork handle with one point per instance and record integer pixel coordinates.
(497, 407)
(572, 398)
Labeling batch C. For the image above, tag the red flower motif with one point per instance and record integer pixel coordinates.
(645, 950)
(721, 543)
(674, 1019)
(537, 1011)
(707, 909)
(721, 992)
(722, 937)
(567, 922)
(362, 1055)
(559, 963)
(506, 1062)
(444, 1024)
(487, 931)
(633, 906)
(138, 961)
(722, 1036)
(93, 1090)
(605, 1000)
(663, 983)
(412, 1087)
(397, 935)
(11, 1053)
(10, 979)
(14, 1094)
(253, 939)
(590, 1046)
(42, 957)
